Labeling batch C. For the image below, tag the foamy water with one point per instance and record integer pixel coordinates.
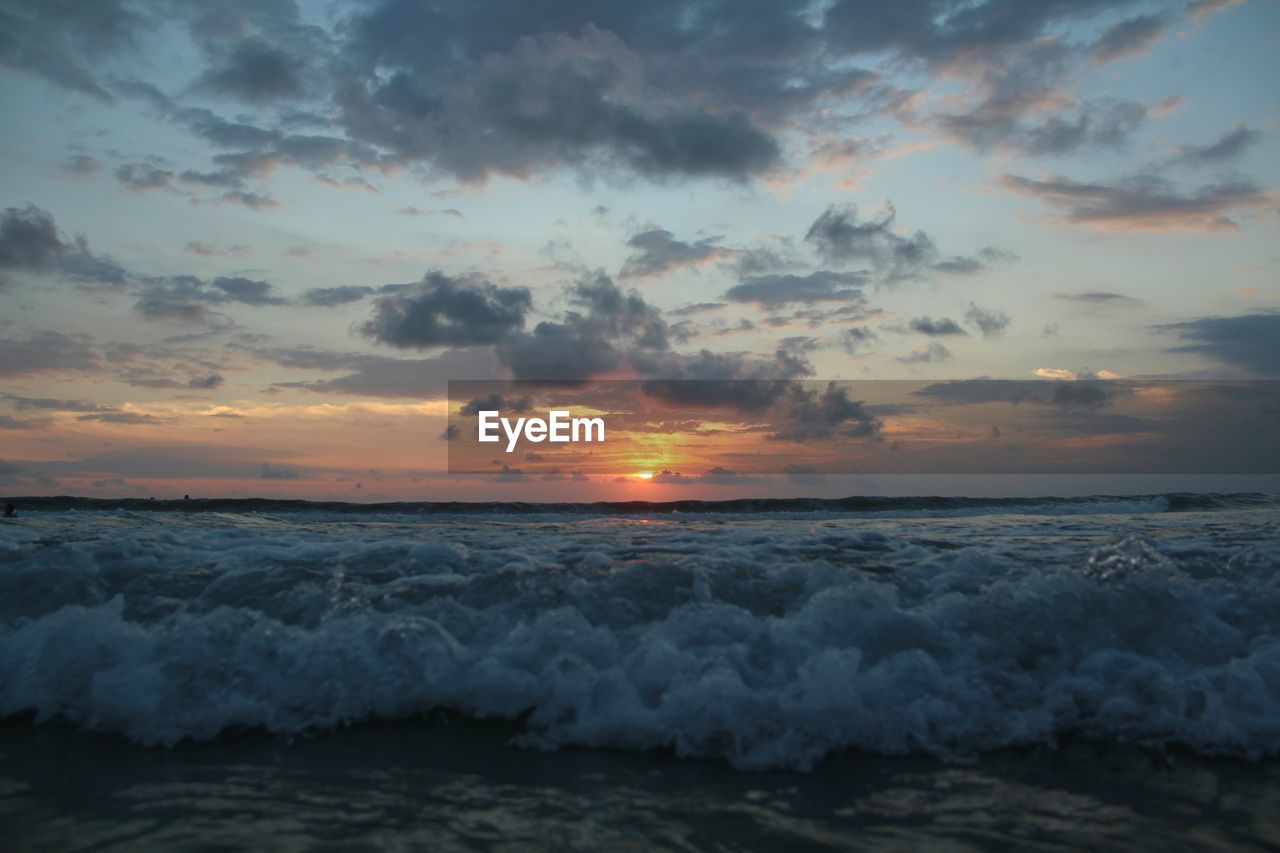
(767, 639)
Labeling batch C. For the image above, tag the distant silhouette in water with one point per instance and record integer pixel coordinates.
(10, 511)
(186, 497)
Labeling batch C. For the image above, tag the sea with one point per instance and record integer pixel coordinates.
(864, 674)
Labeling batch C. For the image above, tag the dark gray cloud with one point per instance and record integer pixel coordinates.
(604, 327)
(1128, 37)
(46, 351)
(8, 422)
(735, 381)
(61, 42)
(696, 308)
(1144, 202)
(329, 297)
(990, 323)
(812, 415)
(840, 238)
(544, 100)
(665, 90)
(1097, 297)
(658, 251)
(187, 299)
(773, 291)
(246, 291)
(255, 71)
(495, 402)
(22, 404)
(31, 241)
(444, 311)
(1251, 341)
(1106, 125)
(935, 328)
(1223, 150)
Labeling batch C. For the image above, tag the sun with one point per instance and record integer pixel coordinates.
(645, 475)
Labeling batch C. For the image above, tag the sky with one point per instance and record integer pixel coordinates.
(244, 246)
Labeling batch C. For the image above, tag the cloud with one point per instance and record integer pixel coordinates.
(805, 474)
(856, 339)
(378, 376)
(443, 311)
(31, 241)
(812, 415)
(658, 251)
(1142, 203)
(61, 42)
(1099, 125)
(716, 476)
(82, 165)
(276, 471)
(246, 291)
(840, 237)
(931, 354)
(612, 327)
(991, 323)
(511, 475)
(542, 101)
(1097, 297)
(936, 328)
(206, 383)
(206, 250)
(696, 308)
(735, 381)
(1250, 341)
(1087, 392)
(49, 404)
(139, 177)
(410, 210)
(45, 352)
(186, 299)
(9, 422)
(1223, 150)
(495, 402)
(123, 418)
(330, 297)
(255, 71)
(772, 291)
(1130, 37)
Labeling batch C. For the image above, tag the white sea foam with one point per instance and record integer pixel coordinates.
(766, 641)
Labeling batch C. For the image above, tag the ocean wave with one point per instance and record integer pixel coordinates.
(768, 643)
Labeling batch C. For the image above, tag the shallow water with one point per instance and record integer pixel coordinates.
(445, 782)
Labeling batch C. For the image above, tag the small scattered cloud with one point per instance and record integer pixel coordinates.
(276, 471)
(932, 354)
(936, 328)
(1143, 203)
